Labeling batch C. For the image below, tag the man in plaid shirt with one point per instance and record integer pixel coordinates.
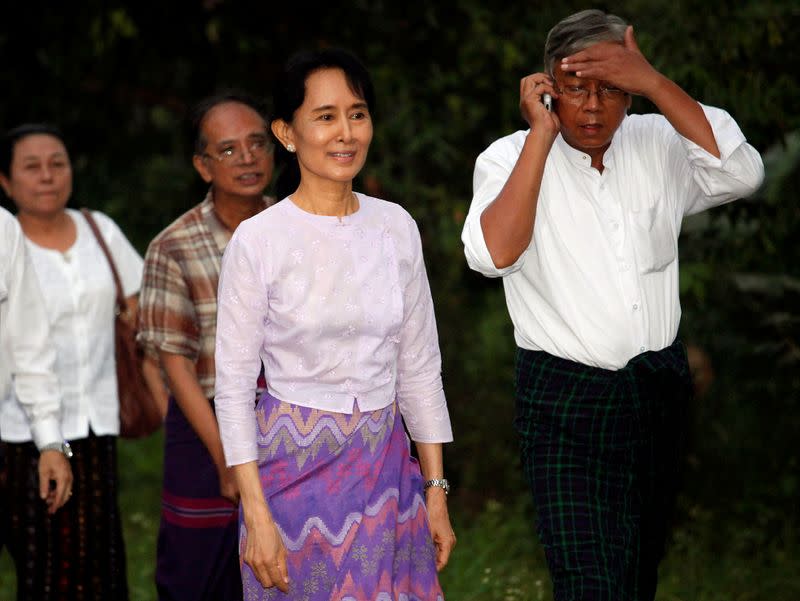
(198, 536)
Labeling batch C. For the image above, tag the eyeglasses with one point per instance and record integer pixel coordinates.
(580, 94)
(232, 154)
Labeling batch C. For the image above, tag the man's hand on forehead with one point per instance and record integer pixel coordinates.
(621, 65)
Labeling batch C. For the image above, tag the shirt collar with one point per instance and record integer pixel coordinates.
(574, 156)
(220, 233)
(580, 158)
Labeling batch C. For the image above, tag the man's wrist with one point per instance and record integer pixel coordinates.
(540, 138)
(656, 86)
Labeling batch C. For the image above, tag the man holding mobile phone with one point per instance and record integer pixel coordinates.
(580, 216)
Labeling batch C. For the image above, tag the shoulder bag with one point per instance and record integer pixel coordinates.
(139, 415)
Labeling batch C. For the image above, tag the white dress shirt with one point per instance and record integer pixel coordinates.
(598, 283)
(339, 311)
(79, 298)
(27, 358)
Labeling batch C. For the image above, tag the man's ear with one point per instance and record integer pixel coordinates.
(201, 168)
(282, 131)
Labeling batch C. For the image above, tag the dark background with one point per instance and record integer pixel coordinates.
(120, 77)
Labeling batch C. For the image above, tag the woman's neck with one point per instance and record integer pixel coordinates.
(50, 230)
(334, 199)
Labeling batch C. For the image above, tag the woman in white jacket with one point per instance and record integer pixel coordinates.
(78, 551)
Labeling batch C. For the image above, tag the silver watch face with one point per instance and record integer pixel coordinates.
(62, 447)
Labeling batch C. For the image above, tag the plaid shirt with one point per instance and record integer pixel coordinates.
(178, 298)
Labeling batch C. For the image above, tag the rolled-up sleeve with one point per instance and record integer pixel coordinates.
(26, 335)
(167, 316)
(242, 308)
(737, 173)
(492, 169)
(420, 394)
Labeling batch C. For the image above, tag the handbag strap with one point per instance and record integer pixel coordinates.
(121, 304)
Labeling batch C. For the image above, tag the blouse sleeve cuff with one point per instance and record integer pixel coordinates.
(46, 431)
(237, 431)
(428, 420)
(239, 455)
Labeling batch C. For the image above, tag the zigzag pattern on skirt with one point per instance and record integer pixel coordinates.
(347, 498)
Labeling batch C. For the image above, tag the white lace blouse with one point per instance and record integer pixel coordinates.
(340, 313)
(79, 293)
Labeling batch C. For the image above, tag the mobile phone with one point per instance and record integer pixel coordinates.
(547, 100)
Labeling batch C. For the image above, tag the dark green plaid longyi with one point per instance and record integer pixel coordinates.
(601, 452)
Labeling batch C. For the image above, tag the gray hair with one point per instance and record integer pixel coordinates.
(580, 31)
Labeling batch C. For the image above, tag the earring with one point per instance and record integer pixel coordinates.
(290, 147)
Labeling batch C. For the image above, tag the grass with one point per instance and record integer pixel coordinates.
(498, 557)
(140, 503)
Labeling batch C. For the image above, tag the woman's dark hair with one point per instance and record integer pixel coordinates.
(205, 106)
(12, 136)
(290, 92)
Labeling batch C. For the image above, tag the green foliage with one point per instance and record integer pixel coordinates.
(742, 305)
(119, 77)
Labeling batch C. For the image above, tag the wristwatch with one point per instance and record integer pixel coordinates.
(439, 482)
(61, 447)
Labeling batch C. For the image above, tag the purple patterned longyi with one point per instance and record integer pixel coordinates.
(347, 498)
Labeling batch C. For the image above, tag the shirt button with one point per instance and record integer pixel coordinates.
(615, 225)
(641, 349)
(635, 306)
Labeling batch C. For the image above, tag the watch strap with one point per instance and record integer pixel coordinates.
(438, 482)
(62, 447)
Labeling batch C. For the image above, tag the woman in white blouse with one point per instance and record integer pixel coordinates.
(77, 552)
(328, 289)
